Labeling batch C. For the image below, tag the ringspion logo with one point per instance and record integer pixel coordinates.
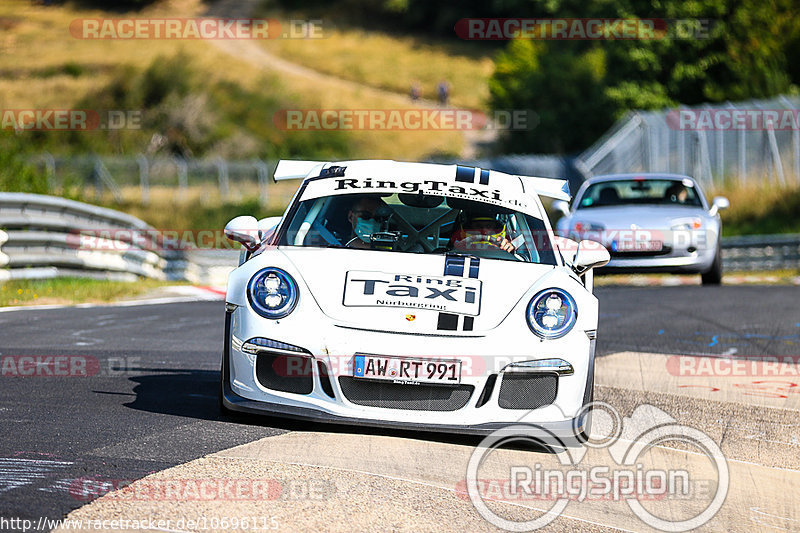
(618, 461)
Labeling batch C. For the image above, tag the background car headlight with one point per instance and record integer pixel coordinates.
(587, 230)
(687, 223)
(552, 313)
(272, 293)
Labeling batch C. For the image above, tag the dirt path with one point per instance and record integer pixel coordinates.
(253, 53)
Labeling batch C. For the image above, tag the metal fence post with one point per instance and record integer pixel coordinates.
(102, 177)
(742, 157)
(777, 164)
(795, 139)
(96, 181)
(183, 177)
(222, 175)
(144, 177)
(262, 171)
(796, 150)
(703, 159)
(646, 146)
(50, 170)
(666, 149)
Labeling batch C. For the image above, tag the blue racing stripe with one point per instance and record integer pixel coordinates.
(454, 266)
(465, 174)
(484, 177)
(474, 266)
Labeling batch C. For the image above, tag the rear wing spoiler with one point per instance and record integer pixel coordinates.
(295, 170)
(555, 188)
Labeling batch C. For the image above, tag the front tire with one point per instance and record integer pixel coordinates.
(222, 409)
(223, 370)
(714, 274)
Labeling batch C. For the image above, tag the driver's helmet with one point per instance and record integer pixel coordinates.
(484, 230)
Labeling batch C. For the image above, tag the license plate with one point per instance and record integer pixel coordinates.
(407, 370)
(638, 246)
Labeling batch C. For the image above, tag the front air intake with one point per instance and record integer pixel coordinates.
(285, 373)
(399, 396)
(527, 390)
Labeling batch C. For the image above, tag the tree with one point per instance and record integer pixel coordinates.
(741, 53)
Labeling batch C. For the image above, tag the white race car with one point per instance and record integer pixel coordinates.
(411, 295)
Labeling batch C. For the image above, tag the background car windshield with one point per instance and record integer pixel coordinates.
(415, 223)
(635, 192)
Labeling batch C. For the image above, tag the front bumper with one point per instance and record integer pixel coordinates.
(689, 258)
(481, 415)
(691, 264)
(236, 403)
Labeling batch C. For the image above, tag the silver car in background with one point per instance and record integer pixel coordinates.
(649, 223)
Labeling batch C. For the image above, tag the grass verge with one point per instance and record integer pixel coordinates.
(58, 291)
(393, 63)
(43, 67)
(761, 210)
(200, 207)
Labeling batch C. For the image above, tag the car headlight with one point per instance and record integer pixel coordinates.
(687, 223)
(272, 293)
(584, 230)
(552, 313)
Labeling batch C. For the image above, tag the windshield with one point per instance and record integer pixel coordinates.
(418, 223)
(638, 192)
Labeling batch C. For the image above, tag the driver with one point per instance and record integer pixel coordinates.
(479, 232)
(677, 193)
(363, 221)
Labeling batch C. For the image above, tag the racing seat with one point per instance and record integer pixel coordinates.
(608, 196)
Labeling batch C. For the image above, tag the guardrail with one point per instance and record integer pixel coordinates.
(41, 238)
(761, 252)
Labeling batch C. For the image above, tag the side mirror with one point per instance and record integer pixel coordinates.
(267, 226)
(719, 203)
(590, 255)
(245, 230)
(561, 206)
(567, 248)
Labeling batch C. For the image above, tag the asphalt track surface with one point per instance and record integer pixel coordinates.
(152, 401)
